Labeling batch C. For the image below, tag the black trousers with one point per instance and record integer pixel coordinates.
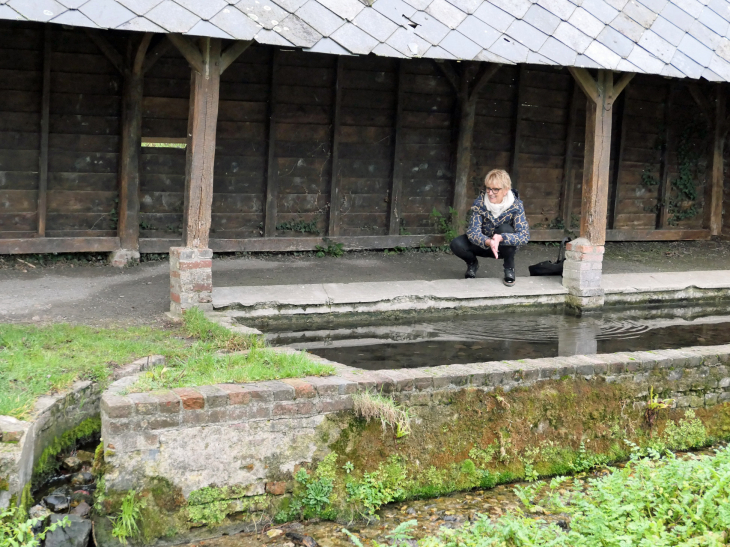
(468, 252)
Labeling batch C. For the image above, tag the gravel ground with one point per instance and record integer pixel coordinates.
(83, 289)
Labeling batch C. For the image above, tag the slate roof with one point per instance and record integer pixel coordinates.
(680, 38)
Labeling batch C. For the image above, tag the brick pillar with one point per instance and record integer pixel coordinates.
(191, 279)
(582, 274)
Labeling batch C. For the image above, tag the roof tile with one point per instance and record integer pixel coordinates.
(329, 46)
(446, 13)
(172, 17)
(7, 13)
(723, 49)
(408, 43)
(70, 4)
(602, 55)
(667, 30)
(74, 18)
(467, 6)
(205, 9)
(494, 17)
(720, 67)
(560, 8)
(264, 12)
(654, 5)
(696, 51)
(235, 23)
(140, 7)
(460, 46)
(639, 13)
(721, 7)
(572, 37)
(266, 36)
(616, 42)
(489, 57)
(510, 50)
(527, 35)
(141, 24)
(516, 8)
(707, 74)
(478, 31)
(37, 10)
(394, 10)
(106, 13)
(617, 4)
(713, 21)
(297, 31)
(600, 10)
(537, 59)
(354, 39)
(705, 35)
(429, 28)
(347, 9)
(290, 5)
(671, 71)
(645, 60)
(436, 52)
(558, 52)
(205, 28)
(320, 18)
(686, 65)
(657, 46)
(587, 24)
(693, 7)
(384, 50)
(542, 19)
(418, 4)
(625, 66)
(375, 24)
(679, 18)
(586, 62)
(628, 27)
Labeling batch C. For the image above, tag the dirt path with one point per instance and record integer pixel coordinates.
(96, 294)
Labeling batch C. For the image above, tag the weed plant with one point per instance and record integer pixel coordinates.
(653, 501)
(124, 525)
(17, 530)
(376, 406)
(35, 360)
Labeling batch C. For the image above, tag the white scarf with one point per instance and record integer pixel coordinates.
(496, 209)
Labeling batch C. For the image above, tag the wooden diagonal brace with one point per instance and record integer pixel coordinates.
(108, 50)
(157, 52)
(586, 83)
(619, 86)
(486, 72)
(188, 50)
(451, 75)
(233, 52)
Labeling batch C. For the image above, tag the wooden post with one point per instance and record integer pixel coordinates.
(713, 205)
(662, 220)
(396, 181)
(202, 123)
(467, 83)
(272, 187)
(568, 188)
(514, 168)
(335, 179)
(45, 123)
(621, 145)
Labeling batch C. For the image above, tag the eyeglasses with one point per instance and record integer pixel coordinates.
(493, 190)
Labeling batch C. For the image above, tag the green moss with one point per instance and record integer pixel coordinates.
(47, 462)
(4, 485)
(26, 502)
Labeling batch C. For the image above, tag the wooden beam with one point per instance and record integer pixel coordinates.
(396, 181)
(586, 82)
(619, 86)
(272, 184)
(662, 220)
(597, 161)
(335, 178)
(450, 72)
(617, 171)
(200, 158)
(42, 245)
(45, 124)
(233, 52)
(568, 186)
(131, 142)
(702, 102)
(157, 52)
(715, 186)
(517, 130)
(465, 137)
(486, 73)
(188, 50)
(107, 49)
(657, 235)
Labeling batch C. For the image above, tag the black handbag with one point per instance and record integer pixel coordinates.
(551, 268)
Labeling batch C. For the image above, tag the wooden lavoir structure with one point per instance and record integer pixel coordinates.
(285, 147)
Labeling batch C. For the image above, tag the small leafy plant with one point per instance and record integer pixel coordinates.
(448, 224)
(125, 524)
(653, 406)
(331, 248)
(16, 530)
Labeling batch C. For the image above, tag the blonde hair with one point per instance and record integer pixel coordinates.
(498, 177)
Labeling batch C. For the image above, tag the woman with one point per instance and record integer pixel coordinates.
(498, 226)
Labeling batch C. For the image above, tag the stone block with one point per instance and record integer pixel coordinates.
(167, 402)
(214, 396)
(401, 379)
(144, 403)
(332, 385)
(163, 422)
(115, 406)
(711, 399)
(691, 401)
(724, 382)
(290, 408)
(420, 398)
(270, 391)
(302, 388)
(237, 395)
(191, 281)
(191, 399)
(337, 404)
(203, 417)
(276, 488)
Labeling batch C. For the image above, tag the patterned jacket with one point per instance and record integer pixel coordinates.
(482, 225)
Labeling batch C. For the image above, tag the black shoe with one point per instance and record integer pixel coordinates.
(509, 277)
(471, 270)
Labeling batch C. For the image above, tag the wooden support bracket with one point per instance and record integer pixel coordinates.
(188, 50)
(233, 52)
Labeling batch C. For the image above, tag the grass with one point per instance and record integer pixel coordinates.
(36, 360)
(376, 406)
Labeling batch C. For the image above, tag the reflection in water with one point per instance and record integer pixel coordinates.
(508, 336)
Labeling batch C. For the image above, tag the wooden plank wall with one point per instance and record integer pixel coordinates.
(280, 114)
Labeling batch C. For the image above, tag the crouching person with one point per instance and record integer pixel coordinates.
(498, 226)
